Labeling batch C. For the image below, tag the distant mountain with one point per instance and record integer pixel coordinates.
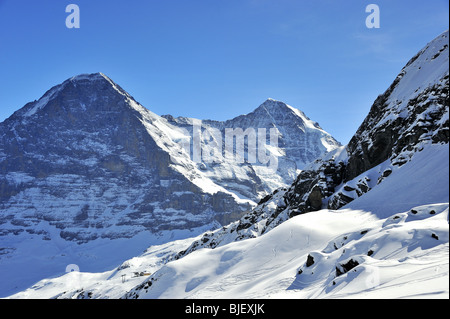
(87, 167)
(300, 141)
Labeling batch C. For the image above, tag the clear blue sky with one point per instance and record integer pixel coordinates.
(219, 58)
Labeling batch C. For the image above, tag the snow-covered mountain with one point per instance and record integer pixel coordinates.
(299, 141)
(369, 219)
(86, 170)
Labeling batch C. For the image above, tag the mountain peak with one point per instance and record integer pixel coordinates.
(274, 103)
(270, 100)
(89, 76)
(278, 109)
(94, 78)
(271, 105)
(83, 88)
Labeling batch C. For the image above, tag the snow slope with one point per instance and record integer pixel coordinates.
(389, 253)
(409, 259)
(422, 181)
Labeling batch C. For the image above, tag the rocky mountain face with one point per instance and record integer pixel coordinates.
(411, 115)
(82, 160)
(86, 162)
(87, 157)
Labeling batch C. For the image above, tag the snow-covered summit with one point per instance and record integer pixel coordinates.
(279, 110)
(91, 87)
(302, 139)
(274, 107)
(90, 77)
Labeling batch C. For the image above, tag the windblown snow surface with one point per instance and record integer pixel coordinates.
(392, 242)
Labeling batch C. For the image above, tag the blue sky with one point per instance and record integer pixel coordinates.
(218, 59)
